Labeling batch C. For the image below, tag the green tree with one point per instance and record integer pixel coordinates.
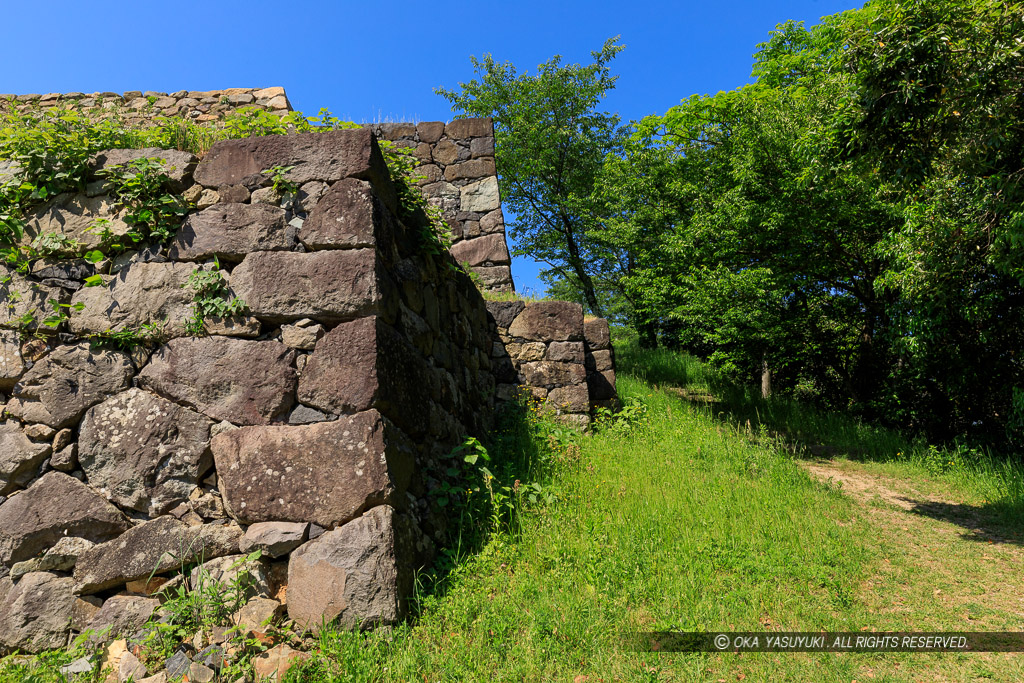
(550, 145)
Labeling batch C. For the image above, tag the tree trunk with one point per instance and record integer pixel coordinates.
(766, 379)
(576, 262)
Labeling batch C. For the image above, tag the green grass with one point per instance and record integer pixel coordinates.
(992, 481)
(680, 517)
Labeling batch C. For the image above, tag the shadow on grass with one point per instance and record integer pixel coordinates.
(518, 450)
(808, 432)
(989, 523)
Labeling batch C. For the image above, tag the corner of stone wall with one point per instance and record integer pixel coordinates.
(459, 176)
(550, 350)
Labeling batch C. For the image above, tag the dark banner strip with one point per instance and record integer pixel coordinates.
(816, 641)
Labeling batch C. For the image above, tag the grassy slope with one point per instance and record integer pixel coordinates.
(682, 521)
(685, 518)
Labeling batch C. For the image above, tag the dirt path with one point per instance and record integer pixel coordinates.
(942, 562)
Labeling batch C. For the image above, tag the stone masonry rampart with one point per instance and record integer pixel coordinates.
(311, 425)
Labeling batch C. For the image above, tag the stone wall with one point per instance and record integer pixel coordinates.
(457, 158)
(547, 347)
(311, 426)
(458, 175)
(138, 106)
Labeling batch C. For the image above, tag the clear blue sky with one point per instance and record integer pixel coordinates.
(370, 61)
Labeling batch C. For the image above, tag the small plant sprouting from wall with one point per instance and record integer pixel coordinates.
(211, 298)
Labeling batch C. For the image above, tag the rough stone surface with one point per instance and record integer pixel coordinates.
(326, 473)
(504, 312)
(22, 298)
(242, 381)
(177, 165)
(302, 335)
(328, 156)
(329, 286)
(20, 457)
(348, 216)
(552, 374)
(130, 668)
(61, 557)
(350, 575)
(549, 321)
(274, 539)
(122, 615)
(274, 664)
(489, 249)
(597, 334)
(365, 363)
(11, 363)
(256, 613)
(569, 352)
(143, 452)
(34, 615)
(157, 546)
(602, 385)
(144, 293)
(249, 576)
(60, 387)
(230, 231)
(71, 217)
(469, 128)
(55, 506)
(573, 398)
(481, 196)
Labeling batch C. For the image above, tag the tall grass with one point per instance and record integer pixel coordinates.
(993, 480)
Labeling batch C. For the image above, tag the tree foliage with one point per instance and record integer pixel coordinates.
(550, 144)
(850, 220)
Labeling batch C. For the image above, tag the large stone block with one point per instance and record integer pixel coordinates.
(549, 321)
(600, 360)
(325, 473)
(143, 452)
(597, 334)
(348, 216)
(230, 231)
(20, 458)
(489, 249)
(147, 293)
(601, 385)
(551, 373)
(66, 382)
(239, 380)
(569, 399)
(496, 277)
(24, 303)
(504, 312)
(329, 286)
(35, 614)
(327, 156)
(177, 165)
(365, 363)
(430, 131)
(352, 575)
(469, 170)
(54, 507)
(481, 197)
(72, 217)
(461, 129)
(155, 547)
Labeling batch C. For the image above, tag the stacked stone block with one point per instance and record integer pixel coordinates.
(312, 426)
(308, 426)
(546, 347)
(139, 107)
(458, 175)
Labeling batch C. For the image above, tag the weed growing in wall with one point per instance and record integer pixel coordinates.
(211, 298)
